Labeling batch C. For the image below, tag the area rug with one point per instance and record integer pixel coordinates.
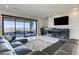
(38, 44)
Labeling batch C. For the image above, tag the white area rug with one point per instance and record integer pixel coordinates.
(39, 43)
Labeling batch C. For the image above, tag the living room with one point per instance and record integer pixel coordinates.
(34, 31)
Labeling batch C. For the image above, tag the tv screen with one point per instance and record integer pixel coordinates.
(61, 20)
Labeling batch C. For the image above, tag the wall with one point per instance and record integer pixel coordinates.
(73, 23)
(45, 22)
(41, 23)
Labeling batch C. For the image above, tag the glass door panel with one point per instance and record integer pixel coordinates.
(27, 28)
(33, 27)
(19, 28)
(9, 26)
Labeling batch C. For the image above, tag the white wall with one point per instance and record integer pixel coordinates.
(41, 23)
(73, 23)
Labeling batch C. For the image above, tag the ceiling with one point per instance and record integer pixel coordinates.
(36, 10)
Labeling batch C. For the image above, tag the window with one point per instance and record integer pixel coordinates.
(9, 26)
(19, 27)
(33, 28)
(27, 28)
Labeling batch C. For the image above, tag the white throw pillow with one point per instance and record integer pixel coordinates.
(8, 37)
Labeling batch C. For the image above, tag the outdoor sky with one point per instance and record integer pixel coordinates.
(12, 24)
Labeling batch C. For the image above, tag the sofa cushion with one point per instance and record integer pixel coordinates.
(61, 52)
(22, 50)
(53, 48)
(2, 40)
(21, 39)
(69, 48)
(7, 53)
(74, 41)
(37, 53)
(4, 47)
(16, 44)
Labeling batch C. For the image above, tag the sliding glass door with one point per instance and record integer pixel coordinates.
(19, 28)
(27, 28)
(33, 27)
(9, 26)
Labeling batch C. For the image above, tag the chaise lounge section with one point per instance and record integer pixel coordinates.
(14, 48)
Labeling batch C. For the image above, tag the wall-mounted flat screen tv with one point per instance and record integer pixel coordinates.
(61, 20)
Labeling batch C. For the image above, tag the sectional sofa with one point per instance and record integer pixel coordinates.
(69, 47)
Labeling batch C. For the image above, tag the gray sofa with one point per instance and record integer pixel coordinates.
(69, 48)
(14, 48)
(59, 48)
(5, 47)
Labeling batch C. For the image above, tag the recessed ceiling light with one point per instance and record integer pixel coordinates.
(7, 6)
